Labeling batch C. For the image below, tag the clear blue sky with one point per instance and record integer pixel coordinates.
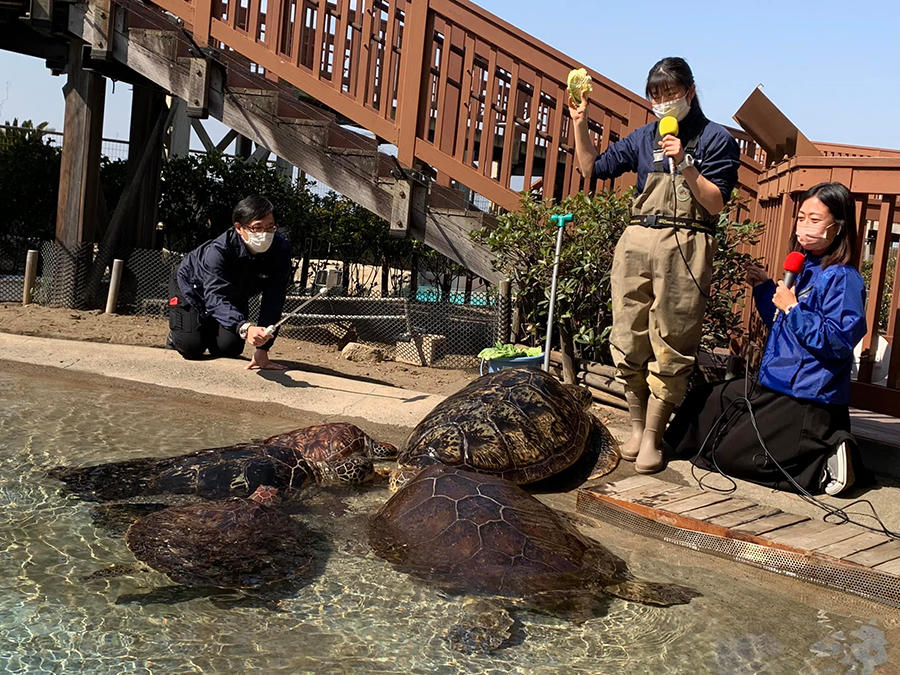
(831, 68)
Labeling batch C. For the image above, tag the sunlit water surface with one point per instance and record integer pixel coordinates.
(357, 614)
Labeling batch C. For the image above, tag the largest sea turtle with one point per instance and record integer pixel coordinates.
(476, 533)
(518, 424)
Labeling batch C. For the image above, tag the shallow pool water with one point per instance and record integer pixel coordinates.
(356, 614)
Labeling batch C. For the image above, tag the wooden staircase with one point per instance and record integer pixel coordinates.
(221, 83)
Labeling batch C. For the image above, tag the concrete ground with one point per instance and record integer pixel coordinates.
(331, 398)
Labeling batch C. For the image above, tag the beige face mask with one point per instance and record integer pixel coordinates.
(678, 108)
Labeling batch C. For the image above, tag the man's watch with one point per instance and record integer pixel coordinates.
(686, 162)
(242, 330)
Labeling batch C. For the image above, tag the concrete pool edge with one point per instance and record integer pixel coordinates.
(328, 396)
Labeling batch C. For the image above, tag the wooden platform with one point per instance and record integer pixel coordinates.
(840, 556)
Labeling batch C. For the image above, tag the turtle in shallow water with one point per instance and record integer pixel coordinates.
(235, 543)
(327, 453)
(475, 533)
(212, 473)
(519, 424)
(336, 452)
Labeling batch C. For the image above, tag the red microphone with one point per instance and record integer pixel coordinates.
(793, 265)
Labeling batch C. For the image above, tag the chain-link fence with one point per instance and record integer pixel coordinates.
(414, 324)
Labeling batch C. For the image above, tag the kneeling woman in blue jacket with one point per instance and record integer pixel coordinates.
(800, 402)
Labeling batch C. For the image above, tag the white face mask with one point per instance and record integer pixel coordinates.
(259, 242)
(678, 108)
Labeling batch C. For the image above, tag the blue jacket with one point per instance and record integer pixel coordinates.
(717, 155)
(809, 352)
(219, 277)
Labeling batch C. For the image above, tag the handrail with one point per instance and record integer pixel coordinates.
(458, 90)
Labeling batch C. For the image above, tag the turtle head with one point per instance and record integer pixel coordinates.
(266, 494)
(402, 475)
(379, 450)
(581, 394)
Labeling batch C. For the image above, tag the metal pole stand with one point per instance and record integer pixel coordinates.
(561, 221)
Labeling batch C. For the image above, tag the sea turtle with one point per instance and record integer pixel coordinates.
(328, 453)
(336, 452)
(476, 533)
(235, 543)
(212, 473)
(519, 424)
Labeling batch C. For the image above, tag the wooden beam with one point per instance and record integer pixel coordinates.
(349, 171)
(85, 94)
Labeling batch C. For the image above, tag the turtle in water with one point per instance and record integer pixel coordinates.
(519, 424)
(336, 452)
(212, 473)
(476, 533)
(327, 453)
(235, 543)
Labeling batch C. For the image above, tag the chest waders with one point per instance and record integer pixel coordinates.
(660, 278)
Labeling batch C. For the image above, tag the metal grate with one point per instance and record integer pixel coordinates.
(821, 570)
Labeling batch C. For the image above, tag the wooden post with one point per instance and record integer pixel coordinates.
(85, 94)
(115, 278)
(147, 104)
(31, 261)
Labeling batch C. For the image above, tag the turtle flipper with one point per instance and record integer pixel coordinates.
(650, 593)
(114, 480)
(484, 625)
(607, 450)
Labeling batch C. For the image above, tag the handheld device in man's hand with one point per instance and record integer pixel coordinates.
(271, 329)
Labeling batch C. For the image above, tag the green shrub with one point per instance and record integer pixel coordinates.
(524, 243)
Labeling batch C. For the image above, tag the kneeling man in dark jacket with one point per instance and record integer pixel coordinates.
(211, 289)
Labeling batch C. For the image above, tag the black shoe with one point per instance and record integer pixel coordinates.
(169, 343)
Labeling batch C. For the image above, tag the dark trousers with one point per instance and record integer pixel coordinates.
(191, 334)
(714, 430)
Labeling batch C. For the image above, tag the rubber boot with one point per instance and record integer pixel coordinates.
(637, 408)
(650, 456)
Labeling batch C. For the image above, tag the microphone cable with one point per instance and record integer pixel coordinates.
(678, 241)
(838, 514)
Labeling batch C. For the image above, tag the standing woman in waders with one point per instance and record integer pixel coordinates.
(662, 266)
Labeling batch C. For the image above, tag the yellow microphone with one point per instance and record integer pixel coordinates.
(669, 125)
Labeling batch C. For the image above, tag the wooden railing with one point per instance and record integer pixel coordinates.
(452, 86)
(875, 185)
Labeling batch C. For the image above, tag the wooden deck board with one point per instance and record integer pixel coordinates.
(770, 524)
(834, 535)
(801, 534)
(853, 545)
(720, 509)
(689, 505)
(643, 491)
(875, 556)
(744, 516)
(667, 497)
(890, 567)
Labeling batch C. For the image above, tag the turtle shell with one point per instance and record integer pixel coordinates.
(231, 544)
(213, 473)
(336, 452)
(476, 532)
(522, 425)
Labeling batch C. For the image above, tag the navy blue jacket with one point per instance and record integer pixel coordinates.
(809, 351)
(717, 155)
(219, 277)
